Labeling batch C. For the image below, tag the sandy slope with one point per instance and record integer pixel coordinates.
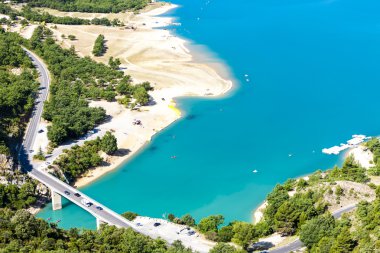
(147, 54)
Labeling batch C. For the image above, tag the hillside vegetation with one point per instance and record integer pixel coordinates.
(75, 80)
(22, 232)
(17, 91)
(103, 6)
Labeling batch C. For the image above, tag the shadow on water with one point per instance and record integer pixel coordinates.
(191, 117)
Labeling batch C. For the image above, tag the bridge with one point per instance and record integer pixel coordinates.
(167, 231)
(56, 186)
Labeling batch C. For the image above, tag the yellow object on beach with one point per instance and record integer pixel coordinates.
(172, 106)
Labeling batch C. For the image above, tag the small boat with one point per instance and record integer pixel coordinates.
(49, 218)
(290, 155)
(254, 171)
(173, 157)
(246, 75)
(58, 221)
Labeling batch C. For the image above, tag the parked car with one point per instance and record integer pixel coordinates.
(99, 208)
(77, 195)
(67, 192)
(156, 224)
(40, 131)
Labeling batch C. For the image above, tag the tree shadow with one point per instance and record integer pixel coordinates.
(122, 152)
(263, 245)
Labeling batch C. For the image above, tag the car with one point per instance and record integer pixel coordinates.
(76, 194)
(156, 224)
(86, 202)
(191, 232)
(31, 151)
(67, 192)
(139, 224)
(40, 131)
(47, 163)
(99, 208)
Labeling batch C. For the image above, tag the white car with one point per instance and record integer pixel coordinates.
(86, 202)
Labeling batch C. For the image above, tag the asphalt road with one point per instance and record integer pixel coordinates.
(297, 244)
(33, 169)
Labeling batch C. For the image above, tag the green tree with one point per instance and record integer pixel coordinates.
(109, 143)
(223, 248)
(344, 242)
(188, 220)
(99, 46)
(130, 215)
(244, 233)
(317, 228)
(210, 223)
(141, 95)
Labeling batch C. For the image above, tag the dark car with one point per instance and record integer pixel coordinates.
(156, 224)
(40, 131)
(77, 194)
(67, 193)
(99, 208)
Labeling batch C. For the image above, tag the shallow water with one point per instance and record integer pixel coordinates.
(313, 70)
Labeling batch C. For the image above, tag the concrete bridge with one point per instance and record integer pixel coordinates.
(56, 186)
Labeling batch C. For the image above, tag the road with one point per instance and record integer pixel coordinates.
(167, 231)
(297, 244)
(50, 181)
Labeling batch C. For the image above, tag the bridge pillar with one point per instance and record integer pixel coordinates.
(56, 199)
(99, 222)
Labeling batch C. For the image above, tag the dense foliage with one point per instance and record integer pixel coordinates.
(22, 232)
(36, 16)
(14, 197)
(99, 46)
(103, 6)
(16, 91)
(79, 159)
(76, 79)
(356, 233)
(374, 146)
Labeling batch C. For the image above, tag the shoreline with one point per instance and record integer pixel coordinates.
(361, 156)
(117, 161)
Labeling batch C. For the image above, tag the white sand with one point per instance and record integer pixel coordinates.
(362, 155)
(258, 213)
(147, 54)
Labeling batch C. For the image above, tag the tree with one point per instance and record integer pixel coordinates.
(317, 228)
(344, 242)
(210, 223)
(244, 233)
(171, 217)
(114, 63)
(224, 248)
(130, 215)
(99, 46)
(109, 143)
(188, 220)
(225, 234)
(141, 95)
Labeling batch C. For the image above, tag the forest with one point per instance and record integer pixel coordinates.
(102, 6)
(75, 81)
(21, 232)
(16, 91)
(79, 159)
(37, 16)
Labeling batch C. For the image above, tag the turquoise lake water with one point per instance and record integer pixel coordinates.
(314, 81)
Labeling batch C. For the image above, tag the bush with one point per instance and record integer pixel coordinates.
(130, 215)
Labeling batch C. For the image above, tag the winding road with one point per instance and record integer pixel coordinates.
(166, 231)
(297, 244)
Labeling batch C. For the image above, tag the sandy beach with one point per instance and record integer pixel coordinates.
(147, 54)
